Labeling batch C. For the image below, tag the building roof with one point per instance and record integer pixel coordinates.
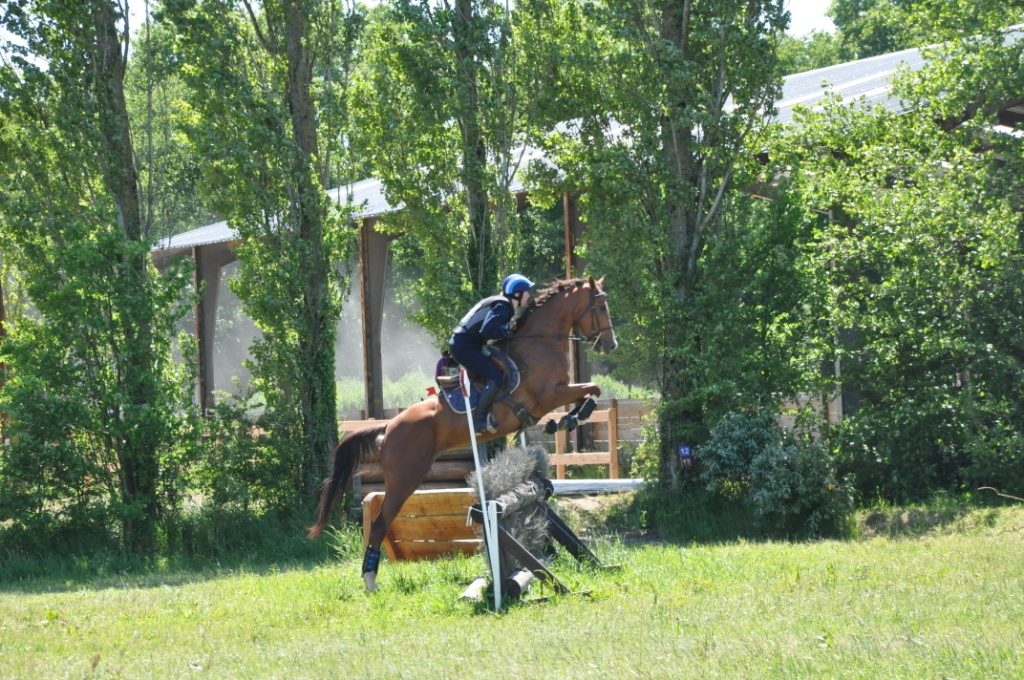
(867, 79)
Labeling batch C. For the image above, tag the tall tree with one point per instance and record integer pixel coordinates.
(684, 90)
(448, 95)
(89, 392)
(923, 260)
(169, 166)
(251, 73)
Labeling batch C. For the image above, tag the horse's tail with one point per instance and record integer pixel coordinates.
(351, 451)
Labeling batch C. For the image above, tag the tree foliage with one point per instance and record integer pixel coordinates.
(449, 93)
(258, 84)
(94, 406)
(918, 271)
(169, 165)
(869, 27)
(814, 51)
(682, 90)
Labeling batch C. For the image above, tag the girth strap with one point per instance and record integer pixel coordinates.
(526, 419)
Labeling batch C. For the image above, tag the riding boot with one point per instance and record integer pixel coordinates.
(482, 421)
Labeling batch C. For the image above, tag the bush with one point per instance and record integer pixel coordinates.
(644, 462)
(996, 455)
(695, 514)
(787, 480)
(242, 466)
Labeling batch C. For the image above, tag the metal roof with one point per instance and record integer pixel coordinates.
(218, 232)
(866, 78)
(367, 195)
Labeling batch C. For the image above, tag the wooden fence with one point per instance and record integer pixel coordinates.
(610, 456)
(612, 423)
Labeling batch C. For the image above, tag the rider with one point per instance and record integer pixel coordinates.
(488, 320)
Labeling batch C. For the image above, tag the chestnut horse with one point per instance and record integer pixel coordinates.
(407, 444)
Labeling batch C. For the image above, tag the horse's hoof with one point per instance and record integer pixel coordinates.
(370, 581)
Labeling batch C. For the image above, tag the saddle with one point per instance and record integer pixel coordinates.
(452, 391)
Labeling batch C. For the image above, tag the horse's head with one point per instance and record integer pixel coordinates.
(594, 323)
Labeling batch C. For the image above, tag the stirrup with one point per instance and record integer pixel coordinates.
(485, 425)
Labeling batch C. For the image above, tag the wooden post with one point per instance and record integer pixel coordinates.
(613, 439)
(561, 444)
(209, 260)
(373, 253)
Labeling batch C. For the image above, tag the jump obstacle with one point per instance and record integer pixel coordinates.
(432, 522)
(450, 468)
(517, 484)
(518, 534)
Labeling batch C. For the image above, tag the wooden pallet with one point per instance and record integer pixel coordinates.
(430, 524)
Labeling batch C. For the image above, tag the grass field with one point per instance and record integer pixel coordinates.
(946, 604)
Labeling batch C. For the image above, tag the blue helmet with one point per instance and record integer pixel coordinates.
(515, 283)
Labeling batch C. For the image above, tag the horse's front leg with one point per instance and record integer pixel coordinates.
(583, 405)
(567, 394)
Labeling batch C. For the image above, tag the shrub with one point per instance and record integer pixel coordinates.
(240, 466)
(645, 459)
(787, 480)
(996, 453)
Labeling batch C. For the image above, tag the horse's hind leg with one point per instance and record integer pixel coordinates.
(404, 469)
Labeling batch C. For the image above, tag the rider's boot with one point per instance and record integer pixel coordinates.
(482, 420)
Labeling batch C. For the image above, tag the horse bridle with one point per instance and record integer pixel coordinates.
(594, 315)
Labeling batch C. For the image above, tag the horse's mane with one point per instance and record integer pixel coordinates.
(551, 290)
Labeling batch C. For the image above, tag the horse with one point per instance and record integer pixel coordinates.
(407, 444)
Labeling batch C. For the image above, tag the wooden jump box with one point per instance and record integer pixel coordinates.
(430, 524)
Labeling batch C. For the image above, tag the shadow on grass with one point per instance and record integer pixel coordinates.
(201, 549)
(695, 516)
(220, 546)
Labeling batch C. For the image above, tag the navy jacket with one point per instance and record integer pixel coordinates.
(488, 320)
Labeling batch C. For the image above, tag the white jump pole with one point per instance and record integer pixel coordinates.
(489, 509)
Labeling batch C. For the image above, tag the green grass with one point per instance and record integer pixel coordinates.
(946, 602)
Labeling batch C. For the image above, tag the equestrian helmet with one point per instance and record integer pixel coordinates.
(514, 284)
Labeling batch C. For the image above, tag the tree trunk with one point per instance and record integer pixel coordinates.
(139, 440)
(680, 421)
(316, 346)
(474, 152)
